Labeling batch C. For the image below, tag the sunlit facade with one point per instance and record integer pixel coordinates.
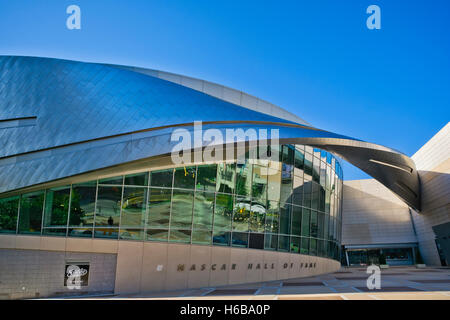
(296, 208)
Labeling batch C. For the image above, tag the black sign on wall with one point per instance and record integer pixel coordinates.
(76, 275)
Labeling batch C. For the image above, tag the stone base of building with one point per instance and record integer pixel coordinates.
(33, 266)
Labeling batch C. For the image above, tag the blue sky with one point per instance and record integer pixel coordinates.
(314, 58)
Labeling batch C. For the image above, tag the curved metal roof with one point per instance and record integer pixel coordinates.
(62, 118)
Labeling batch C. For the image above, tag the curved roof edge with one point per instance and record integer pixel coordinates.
(227, 94)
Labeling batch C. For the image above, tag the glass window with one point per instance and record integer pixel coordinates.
(161, 178)
(273, 184)
(305, 222)
(322, 199)
(157, 234)
(257, 217)
(134, 206)
(241, 214)
(256, 241)
(240, 239)
(56, 209)
(113, 181)
(131, 234)
(316, 169)
(80, 232)
(308, 164)
(298, 163)
(221, 237)
(288, 155)
(315, 196)
(226, 177)
(137, 179)
(203, 210)
(180, 235)
(295, 244)
(320, 224)
(313, 247)
(182, 204)
(108, 206)
(271, 241)
(307, 190)
(223, 212)
(283, 243)
(159, 208)
(259, 185)
(206, 178)
(184, 178)
(285, 218)
(272, 217)
(323, 173)
(297, 191)
(305, 246)
(296, 220)
(286, 184)
(201, 236)
(30, 217)
(82, 205)
(9, 210)
(244, 179)
(314, 227)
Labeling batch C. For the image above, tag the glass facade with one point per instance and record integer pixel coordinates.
(293, 206)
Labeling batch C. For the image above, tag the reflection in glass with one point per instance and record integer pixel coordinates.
(184, 178)
(56, 207)
(285, 218)
(259, 184)
(108, 206)
(296, 221)
(305, 246)
(159, 208)
(305, 222)
(82, 205)
(226, 177)
(257, 217)
(182, 204)
(272, 217)
(283, 243)
(161, 178)
(244, 179)
(30, 217)
(134, 206)
(8, 214)
(273, 184)
(203, 210)
(137, 179)
(206, 178)
(241, 214)
(295, 244)
(271, 241)
(223, 212)
(113, 181)
(240, 239)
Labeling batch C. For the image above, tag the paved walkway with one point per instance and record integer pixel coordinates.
(347, 284)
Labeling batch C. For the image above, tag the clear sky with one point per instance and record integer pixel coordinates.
(316, 59)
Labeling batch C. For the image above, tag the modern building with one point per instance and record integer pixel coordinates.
(88, 182)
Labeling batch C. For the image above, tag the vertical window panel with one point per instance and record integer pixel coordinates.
(108, 206)
(206, 178)
(184, 178)
(161, 178)
(134, 206)
(30, 217)
(181, 214)
(159, 208)
(82, 204)
(9, 210)
(226, 177)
